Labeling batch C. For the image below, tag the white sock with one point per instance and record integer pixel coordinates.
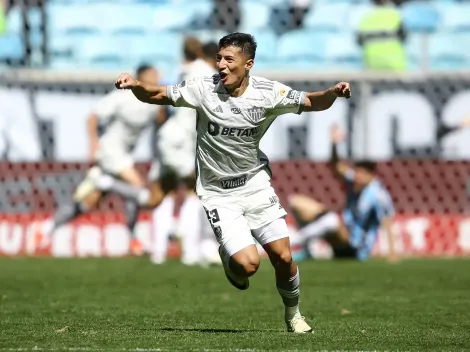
(321, 226)
(190, 228)
(162, 226)
(290, 293)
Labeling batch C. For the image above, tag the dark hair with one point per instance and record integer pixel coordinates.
(246, 42)
(367, 165)
(142, 68)
(192, 48)
(210, 49)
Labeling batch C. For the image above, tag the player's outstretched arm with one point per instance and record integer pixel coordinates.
(339, 167)
(146, 93)
(319, 101)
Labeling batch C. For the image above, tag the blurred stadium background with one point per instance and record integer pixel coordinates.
(58, 57)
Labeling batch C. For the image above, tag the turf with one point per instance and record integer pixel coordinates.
(129, 304)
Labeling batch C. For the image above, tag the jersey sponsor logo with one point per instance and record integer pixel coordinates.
(215, 129)
(236, 111)
(256, 113)
(233, 182)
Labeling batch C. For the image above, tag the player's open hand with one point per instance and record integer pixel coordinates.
(125, 81)
(342, 90)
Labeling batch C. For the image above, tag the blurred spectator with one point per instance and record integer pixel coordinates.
(226, 15)
(298, 10)
(210, 51)
(381, 34)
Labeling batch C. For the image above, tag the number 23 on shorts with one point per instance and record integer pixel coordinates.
(212, 216)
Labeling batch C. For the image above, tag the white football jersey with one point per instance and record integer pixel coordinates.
(229, 129)
(125, 118)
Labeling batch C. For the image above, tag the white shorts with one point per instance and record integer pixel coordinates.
(237, 219)
(115, 162)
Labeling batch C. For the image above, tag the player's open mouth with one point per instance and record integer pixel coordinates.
(223, 76)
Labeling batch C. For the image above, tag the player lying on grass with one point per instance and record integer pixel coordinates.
(368, 207)
(234, 110)
(124, 119)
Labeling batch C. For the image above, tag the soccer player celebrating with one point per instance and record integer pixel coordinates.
(124, 118)
(368, 207)
(234, 110)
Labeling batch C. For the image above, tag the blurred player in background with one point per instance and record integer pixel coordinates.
(234, 110)
(368, 208)
(175, 166)
(124, 118)
(210, 51)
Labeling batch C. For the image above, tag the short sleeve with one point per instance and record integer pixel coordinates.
(186, 93)
(107, 106)
(287, 100)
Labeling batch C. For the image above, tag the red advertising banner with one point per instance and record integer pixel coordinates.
(105, 235)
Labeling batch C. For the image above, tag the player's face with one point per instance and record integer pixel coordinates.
(149, 76)
(233, 65)
(362, 177)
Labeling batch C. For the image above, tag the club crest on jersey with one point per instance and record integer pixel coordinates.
(256, 113)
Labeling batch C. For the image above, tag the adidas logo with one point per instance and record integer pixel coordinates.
(218, 109)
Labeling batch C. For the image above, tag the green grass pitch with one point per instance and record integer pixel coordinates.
(131, 305)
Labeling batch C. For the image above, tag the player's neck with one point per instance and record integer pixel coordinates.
(238, 90)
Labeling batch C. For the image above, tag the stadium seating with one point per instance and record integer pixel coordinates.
(356, 14)
(455, 17)
(342, 50)
(420, 16)
(414, 48)
(302, 49)
(449, 51)
(154, 28)
(128, 18)
(254, 16)
(11, 47)
(327, 17)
